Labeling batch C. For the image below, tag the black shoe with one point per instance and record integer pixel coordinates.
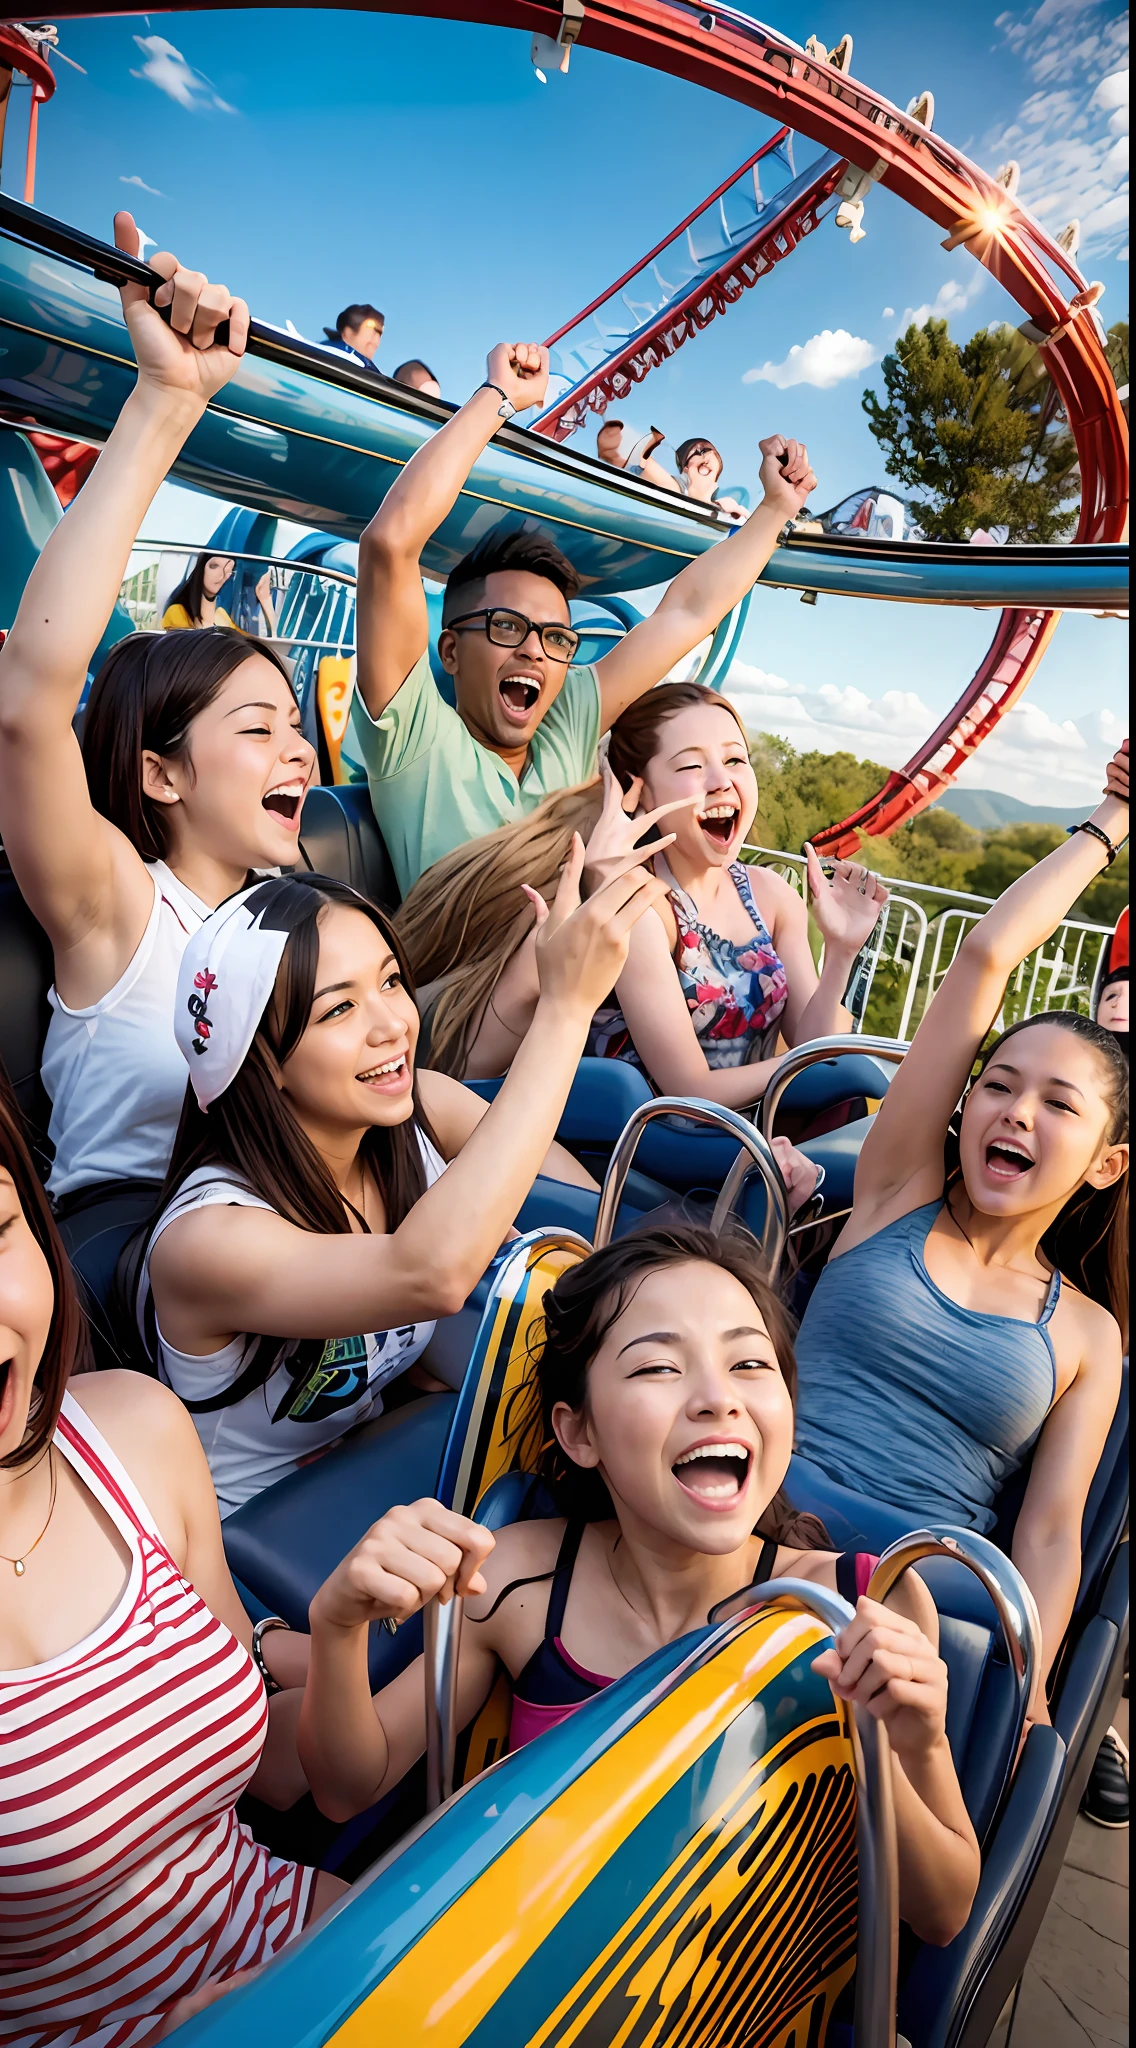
(1106, 1794)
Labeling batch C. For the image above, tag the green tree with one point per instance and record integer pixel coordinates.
(798, 793)
(1116, 349)
(976, 433)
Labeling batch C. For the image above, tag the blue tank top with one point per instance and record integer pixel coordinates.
(909, 1398)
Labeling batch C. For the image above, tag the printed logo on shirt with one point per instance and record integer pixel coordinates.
(336, 1382)
(346, 1368)
(198, 1008)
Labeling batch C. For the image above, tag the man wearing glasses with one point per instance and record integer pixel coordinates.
(528, 720)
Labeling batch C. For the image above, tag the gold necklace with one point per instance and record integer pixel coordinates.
(19, 1564)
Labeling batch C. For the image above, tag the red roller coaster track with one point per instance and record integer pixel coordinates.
(731, 54)
(707, 296)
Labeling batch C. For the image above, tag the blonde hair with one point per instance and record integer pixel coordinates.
(465, 917)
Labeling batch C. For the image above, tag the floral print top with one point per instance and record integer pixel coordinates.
(735, 992)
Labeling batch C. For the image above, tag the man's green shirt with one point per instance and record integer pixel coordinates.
(433, 786)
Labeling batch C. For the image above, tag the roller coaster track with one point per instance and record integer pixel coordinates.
(716, 283)
(729, 53)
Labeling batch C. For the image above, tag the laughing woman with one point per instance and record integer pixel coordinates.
(326, 1201)
(975, 1308)
(659, 1412)
(192, 770)
(717, 975)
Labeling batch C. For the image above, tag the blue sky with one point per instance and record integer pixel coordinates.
(310, 158)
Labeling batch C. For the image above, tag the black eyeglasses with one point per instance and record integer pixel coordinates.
(512, 629)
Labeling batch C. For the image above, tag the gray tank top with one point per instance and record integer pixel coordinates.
(909, 1398)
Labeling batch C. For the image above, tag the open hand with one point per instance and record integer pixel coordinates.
(848, 908)
(581, 948)
(786, 478)
(412, 1556)
(520, 369)
(183, 355)
(1116, 779)
(613, 843)
(884, 1662)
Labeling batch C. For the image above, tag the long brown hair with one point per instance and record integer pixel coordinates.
(250, 1129)
(465, 917)
(144, 699)
(67, 1349)
(578, 1313)
(1088, 1241)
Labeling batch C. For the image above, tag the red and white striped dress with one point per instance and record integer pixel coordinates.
(126, 1879)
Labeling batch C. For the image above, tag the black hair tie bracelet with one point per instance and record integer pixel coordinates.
(1095, 832)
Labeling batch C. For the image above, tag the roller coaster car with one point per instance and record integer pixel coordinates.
(678, 1857)
(457, 1447)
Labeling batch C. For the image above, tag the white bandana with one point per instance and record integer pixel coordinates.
(226, 977)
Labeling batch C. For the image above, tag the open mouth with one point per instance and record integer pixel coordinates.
(7, 1391)
(719, 823)
(285, 802)
(388, 1076)
(1007, 1162)
(715, 1475)
(519, 694)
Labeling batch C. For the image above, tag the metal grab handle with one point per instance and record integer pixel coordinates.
(1014, 1604)
(730, 1125)
(441, 1627)
(877, 1862)
(841, 1045)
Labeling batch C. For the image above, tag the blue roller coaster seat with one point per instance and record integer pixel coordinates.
(283, 1545)
(339, 836)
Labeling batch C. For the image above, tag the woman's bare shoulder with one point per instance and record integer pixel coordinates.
(521, 1550)
(776, 898)
(144, 1423)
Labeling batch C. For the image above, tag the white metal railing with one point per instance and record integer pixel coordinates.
(919, 915)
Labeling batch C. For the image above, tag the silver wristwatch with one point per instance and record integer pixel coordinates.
(506, 409)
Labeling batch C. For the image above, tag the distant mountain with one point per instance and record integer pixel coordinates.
(987, 809)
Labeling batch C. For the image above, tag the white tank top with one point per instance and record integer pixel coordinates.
(287, 1420)
(113, 1071)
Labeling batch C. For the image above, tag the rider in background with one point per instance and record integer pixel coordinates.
(418, 376)
(192, 771)
(975, 1306)
(527, 720)
(357, 333)
(194, 602)
(326, 1201)
(660, 1414)
(699, 467)
(714, 979)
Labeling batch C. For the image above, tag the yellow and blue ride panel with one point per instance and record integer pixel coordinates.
(672, 1867)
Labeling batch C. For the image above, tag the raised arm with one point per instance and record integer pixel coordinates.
(708, 587)
(902, 1156)
(77, 872)
(392, 623)
(255, 1271)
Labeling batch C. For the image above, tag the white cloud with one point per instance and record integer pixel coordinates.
(826, 359)
(888, 313)
(1029, 755)
(951, 299)
(1067, 133)
(166, 68)
(143, 186)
